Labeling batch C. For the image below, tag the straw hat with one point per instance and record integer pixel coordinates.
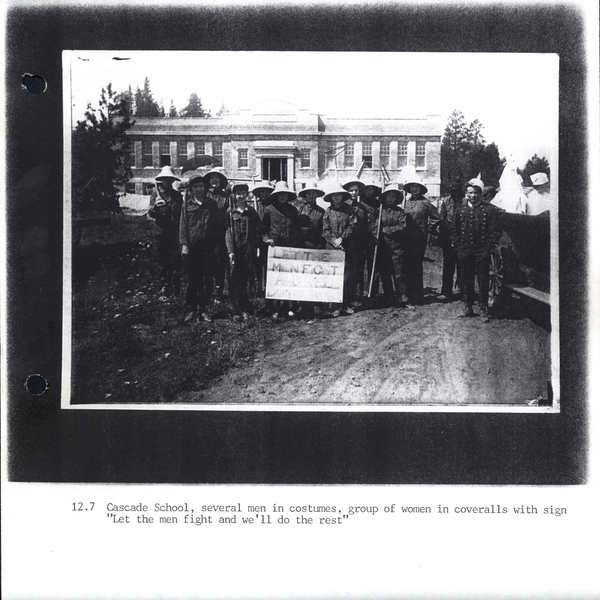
(281, 187)
(240, 187)
(311, 186)
(166, 173)
(221, 176)
(391, 187)
(539, 178)
(335, 188)
(412, 181)
(193, 177)
(360, 184)
(262, 185)
(372, 184)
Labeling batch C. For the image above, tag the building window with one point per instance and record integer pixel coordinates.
(130, 188)
(368, 155)
(218, 153)
(349, 155)
(148, 189)
(385, 154)
(243, 158)
(181, 153)
(129, 155)
(402, 154)
(420, 156)
(199, 147)
(147, 153)
(165, 153)
(305, 158)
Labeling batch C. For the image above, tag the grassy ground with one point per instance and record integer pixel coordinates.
(129, 342)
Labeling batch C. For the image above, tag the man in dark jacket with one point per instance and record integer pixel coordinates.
(475, 231)
(242, 239)
(200, 231)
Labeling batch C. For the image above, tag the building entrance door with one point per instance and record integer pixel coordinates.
(274, 169)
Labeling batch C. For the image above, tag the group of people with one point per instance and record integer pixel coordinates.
(223, 232)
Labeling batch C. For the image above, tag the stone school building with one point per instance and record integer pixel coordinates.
(277, 140)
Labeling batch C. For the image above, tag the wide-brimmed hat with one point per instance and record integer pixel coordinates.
(412, 181)
(221, 176)
(391, 187)
(335, 188)
(311, 186)
(194, 176)
(166, 173)
(539, 178)
(262, 185)
(476, 182)
(239, 187)
(372, 184)
(360, 184)
(281, 188)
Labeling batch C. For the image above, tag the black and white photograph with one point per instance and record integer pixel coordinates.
(357, 243)
(299, 300)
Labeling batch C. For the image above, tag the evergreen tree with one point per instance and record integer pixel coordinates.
(464, 153)
(194, 108)
(145, 105)
(99, 147)
(128, 102)
(534, 165)
(172, 110)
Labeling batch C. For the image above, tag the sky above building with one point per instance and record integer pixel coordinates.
(514, 96)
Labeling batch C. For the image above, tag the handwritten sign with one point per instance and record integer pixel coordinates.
(305, 274)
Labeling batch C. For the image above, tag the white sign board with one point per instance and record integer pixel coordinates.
(305, 274)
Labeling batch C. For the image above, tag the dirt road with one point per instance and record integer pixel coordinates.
(425, 356)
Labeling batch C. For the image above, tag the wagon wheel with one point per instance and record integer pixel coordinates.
(496, 274)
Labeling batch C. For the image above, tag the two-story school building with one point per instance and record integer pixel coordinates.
(277, 140)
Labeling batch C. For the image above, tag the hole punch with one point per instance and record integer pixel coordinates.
(36, 384)
(34, 84)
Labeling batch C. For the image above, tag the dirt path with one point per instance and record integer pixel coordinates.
(424, 356)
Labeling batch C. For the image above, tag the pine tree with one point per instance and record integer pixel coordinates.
(172, 110)
(99, 147)
(464, 153)
(145, 105)
(194, 108)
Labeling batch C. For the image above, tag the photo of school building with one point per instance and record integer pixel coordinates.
(277, 140)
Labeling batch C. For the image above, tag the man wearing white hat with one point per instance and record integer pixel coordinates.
(538, 200)
(475, 232)
(165, 209)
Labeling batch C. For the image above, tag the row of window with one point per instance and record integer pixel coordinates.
(305, 157)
